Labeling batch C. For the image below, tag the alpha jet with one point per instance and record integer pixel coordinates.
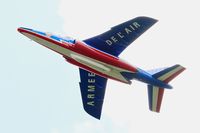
(98, 60)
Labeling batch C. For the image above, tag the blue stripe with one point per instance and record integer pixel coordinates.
(157, 75)
(150, 94)
(39, 32)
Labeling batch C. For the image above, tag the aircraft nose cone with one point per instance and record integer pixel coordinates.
(21, 29)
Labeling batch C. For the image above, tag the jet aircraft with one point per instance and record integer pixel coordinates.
(98, 60)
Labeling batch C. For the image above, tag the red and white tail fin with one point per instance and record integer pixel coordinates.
(155, 93)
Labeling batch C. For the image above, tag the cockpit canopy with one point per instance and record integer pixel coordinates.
(55, 37)
(63, 39)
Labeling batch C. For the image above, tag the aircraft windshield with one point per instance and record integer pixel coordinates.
(64, 39)
(38, 32)
(69, 40)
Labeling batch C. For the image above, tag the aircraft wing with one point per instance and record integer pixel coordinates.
(121, 36)
(92, 91)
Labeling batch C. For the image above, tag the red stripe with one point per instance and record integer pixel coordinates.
(81, 48)
(100, 56)
(160, 97)
(174, 75)
(161, 90)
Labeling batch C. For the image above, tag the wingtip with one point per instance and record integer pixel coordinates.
(182, 67)
(148, 18)
(94, 115)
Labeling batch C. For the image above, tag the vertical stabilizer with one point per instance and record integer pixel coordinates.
(155, 93)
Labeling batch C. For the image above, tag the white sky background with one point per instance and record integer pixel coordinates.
(174, 39)
(39, 91)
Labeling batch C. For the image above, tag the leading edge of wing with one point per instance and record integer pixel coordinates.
(92, 91)
(115, 40)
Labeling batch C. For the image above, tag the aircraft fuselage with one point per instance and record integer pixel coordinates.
(83, 56)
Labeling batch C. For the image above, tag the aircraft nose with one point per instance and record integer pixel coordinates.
(28, 30)
(22, 29)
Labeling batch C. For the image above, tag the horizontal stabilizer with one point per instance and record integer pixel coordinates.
(170, 73)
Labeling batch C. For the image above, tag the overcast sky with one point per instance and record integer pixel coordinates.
(39, 91)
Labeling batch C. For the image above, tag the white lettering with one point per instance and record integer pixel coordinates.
(109, 42)
(120, 35)
(131, 27)
(127, 30)
(90, 96)
(91, 74)
(91, 80)
(114, 39)
(136, 25)
(91, 88)
(90, 103)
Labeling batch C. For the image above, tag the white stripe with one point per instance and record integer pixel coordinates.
(89, 62)
(155, 98)
(170, 73)
(102, 67)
